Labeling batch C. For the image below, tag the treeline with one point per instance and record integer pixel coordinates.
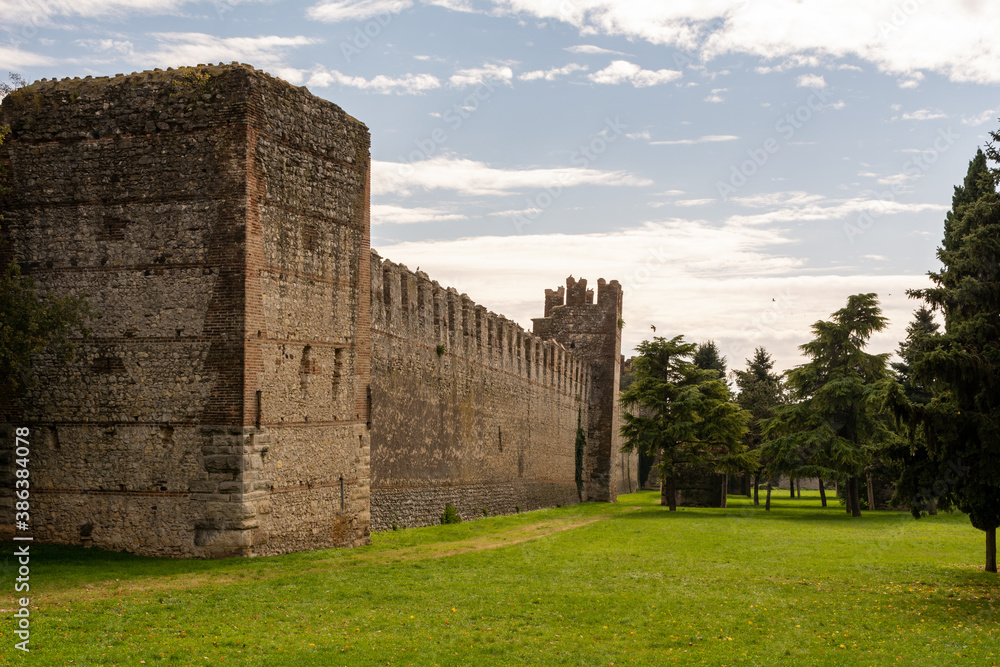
(930, 421)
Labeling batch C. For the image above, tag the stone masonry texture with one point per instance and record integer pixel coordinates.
(256, 380)
(467, 407)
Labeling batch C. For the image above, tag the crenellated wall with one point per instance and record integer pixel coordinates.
(467, 407)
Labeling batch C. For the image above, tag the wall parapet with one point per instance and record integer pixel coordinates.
(410, 306)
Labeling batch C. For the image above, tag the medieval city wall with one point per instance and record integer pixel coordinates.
(255, 379)
(467, 407)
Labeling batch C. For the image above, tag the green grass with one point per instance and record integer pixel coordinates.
(593, 584)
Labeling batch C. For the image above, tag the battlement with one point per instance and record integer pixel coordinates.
(408, 305)
(575, 294)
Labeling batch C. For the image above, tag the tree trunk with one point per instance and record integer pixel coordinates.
(756, 490)
(767, 503)
(855, 502)
(871, 491)
(725, 489)
(668, 494)
(932, 507)
(991, 549)
(798, 488)
(822, 492)
(791, 486)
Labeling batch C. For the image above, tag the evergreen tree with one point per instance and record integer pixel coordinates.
(825, 429)
(681, 411)
(922, 327)
(961, 366)
(708, 357)
(915, 470)
(760, 391)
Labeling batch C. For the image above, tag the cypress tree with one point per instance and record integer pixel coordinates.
(961, 366)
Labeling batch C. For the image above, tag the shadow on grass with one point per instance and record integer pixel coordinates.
(792, 515)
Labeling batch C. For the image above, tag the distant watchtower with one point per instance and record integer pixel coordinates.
(592, 331)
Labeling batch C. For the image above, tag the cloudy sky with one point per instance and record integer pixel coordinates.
(741, 166)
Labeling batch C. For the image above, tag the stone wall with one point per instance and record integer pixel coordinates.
(308, 318)
(200, 211)
(467, 407)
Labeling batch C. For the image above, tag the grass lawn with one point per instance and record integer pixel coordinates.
(593, 584)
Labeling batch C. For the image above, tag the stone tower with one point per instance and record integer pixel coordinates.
(592, 331)
(217, 220)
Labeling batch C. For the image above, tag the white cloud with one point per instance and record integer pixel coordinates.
(811, 81)
(728, 283)
(980, 118)
(114, 47)
(401, 215)
(924, 114)
(477, 178)
(802, 207)
(41, 12)
(177, 49)
(794, 61)
(776, 199)
(333, 11)
(707, 139)
(407, 84)
(590, 49)
(622, 71)
(490, 72)
(15, 58)
(553, 73)
(898, 180)
(694, 202)
(955, 39)
(715, 97)
(517, 213)
(877, 258)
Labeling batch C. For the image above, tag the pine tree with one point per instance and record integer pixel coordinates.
(682, 412)
(824, 430)
(961, 366)
(760, 391)
(708, 357)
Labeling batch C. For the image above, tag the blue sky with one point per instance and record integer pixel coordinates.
(740, 166)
